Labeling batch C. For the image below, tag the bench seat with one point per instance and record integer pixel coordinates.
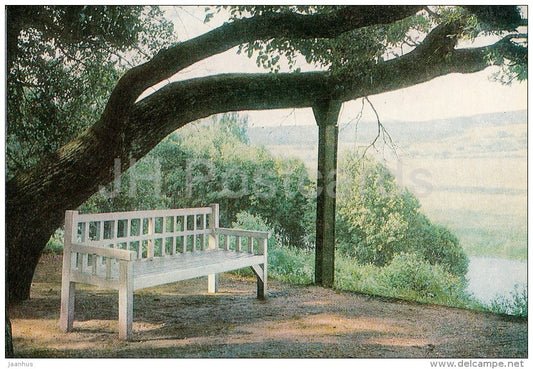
(162, 270)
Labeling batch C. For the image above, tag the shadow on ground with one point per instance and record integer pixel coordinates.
(181, 320)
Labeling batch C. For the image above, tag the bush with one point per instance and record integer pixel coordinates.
(291, 265)
(410, 275)
(351, 276)
(438, 245)
(516, 304)
(245, 220)
(55, 244)
(286, 264)
(377, 220)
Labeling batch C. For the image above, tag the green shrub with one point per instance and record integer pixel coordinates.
(291, 265)
(286, 264)
(55, 244)
(377, 219)
(351, 276)
(438, 245)
(409, 274)
(245, 220)
(515, 304)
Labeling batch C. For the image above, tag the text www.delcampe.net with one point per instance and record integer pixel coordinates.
(477, 364)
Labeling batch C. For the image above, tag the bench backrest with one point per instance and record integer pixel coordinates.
(150, 233)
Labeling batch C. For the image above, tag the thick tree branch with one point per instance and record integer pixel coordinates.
(181, 102)
(286, 25)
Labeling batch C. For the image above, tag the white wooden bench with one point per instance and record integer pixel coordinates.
(128, 251)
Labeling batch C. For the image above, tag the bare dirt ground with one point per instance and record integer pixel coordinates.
(182, 320)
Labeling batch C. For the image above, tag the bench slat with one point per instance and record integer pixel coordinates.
(94, 280)
(167, 270)
(126, 215)
(102, 251)
(145, 237)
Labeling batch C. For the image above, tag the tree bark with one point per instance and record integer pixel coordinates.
(37, 199)
(8, 334)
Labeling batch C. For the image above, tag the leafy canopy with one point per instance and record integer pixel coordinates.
(363, 48)
(63, 62)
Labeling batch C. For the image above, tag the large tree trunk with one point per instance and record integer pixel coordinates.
(9, 339)
(9, 336)
(36, 201)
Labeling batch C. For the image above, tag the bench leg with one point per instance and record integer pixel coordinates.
(125, 301)
(212, 283)
(261, 274)
(68, 297)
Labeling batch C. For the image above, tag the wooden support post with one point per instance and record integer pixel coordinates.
(125, 300)
(68, 288)
(262, 279)
(326, 115)
(212, 279)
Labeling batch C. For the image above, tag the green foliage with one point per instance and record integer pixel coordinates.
(356, 52)
(55, 244)
(245, 220)
(374, 212)
(56, 56)
(431, 284)
(378, 220)
(287, 264)
(360, 48)
(211, 162)
(139, 188)
(293, 265)
(225, 169)
(515, 304)
(410, 273)
(438, 245)
(408, 276)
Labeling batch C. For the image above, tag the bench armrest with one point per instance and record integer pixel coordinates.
(104, 251)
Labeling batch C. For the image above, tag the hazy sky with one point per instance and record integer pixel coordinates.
(444, 97)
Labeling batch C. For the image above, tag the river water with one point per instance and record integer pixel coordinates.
(491, 277)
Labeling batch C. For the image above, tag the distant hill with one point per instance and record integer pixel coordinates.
(476, 166)
(403, 131)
